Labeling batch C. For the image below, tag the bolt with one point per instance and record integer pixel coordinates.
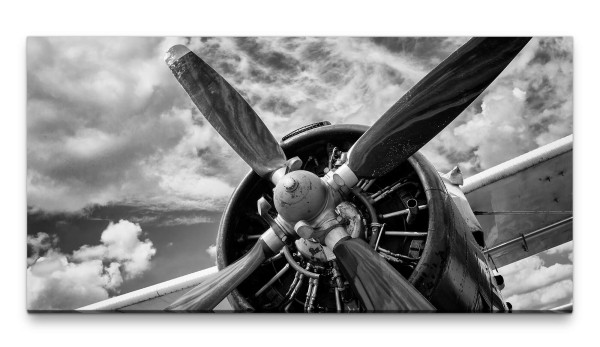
(290, 184)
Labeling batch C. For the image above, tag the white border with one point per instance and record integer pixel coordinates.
(308, 17)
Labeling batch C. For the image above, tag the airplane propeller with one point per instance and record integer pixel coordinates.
(208, 294)
(429, 106)
(408, 125)
(227, 111)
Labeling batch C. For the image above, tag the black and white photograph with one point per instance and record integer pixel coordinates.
(299, 174)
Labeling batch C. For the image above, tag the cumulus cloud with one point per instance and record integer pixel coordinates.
(102, 113)
(121, 242)
(212, 252)
(55, 283)
(544, 297)
(532, 284)
(562, 249)
(39, 244)
(532, 274)
(92, 273)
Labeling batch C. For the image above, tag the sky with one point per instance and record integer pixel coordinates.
(126, 181)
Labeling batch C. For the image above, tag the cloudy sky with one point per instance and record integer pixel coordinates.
(126, 181)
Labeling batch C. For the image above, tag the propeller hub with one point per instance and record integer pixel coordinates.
(300, 195)
(290, 184)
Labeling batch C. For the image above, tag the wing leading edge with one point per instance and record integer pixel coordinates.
(156, 297)
(525, 205)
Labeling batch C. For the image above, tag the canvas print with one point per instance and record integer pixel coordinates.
(299, 174)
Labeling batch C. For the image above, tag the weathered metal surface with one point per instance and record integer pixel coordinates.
(227, 111)
(352, 216)
(461, 202)
(453, 272)
(518, 164)
(541, 180)
(431, 104)
(311, 250)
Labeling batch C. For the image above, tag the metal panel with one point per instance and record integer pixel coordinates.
(522, 195)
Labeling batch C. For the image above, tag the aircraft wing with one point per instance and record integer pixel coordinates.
(156, 297)
(525, 205)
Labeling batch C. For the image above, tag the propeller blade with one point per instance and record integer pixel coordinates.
(208, 294)
(380, 287)
(434, 102)
(227, 111)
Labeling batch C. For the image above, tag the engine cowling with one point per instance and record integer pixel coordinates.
(405, 215)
